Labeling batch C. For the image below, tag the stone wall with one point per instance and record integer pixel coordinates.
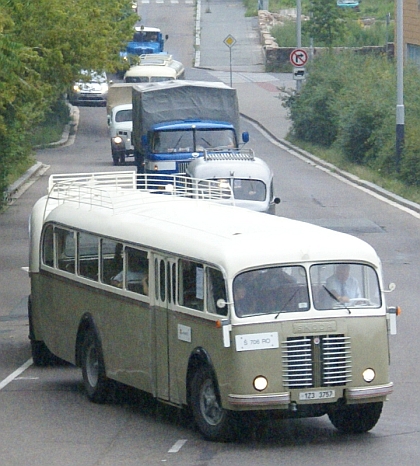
(279, 57)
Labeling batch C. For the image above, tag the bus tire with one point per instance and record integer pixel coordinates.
(93, 369)
(356, 419)
(212, 420)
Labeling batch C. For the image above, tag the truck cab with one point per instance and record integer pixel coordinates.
(249, 177)
(120, 124)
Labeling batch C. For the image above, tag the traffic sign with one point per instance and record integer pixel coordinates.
(230, 41)
(299, 73)
(298, 57)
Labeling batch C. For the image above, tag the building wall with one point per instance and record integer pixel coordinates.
(411, 20)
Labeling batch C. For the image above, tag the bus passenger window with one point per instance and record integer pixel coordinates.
(111, 260)
(191, 284)
(65, 250)
(216, 290)
(136, 272)
(48, 247)
(88, 256)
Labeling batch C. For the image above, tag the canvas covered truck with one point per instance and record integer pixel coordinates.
(120, 121)
(175, 121)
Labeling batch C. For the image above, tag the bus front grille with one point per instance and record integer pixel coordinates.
(316, 361)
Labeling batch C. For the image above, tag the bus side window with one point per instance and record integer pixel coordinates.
(191, 284)
(111, 259)
(48, 246)
(88, 256)
(65, 250)
(216, 289)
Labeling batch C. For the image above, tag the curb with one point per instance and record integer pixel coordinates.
(69, 130)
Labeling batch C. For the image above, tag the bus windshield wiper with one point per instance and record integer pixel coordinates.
(286, 303)
(334, 297)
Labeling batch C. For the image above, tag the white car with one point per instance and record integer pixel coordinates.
(91, 88)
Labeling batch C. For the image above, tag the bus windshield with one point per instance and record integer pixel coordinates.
(271, 290)
(285, 289)
(344, 285)
(191, 140)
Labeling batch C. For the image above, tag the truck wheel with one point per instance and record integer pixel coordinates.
(93, 369)
(213, 421)
(356, 419)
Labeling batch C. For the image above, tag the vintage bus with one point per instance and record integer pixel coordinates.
(155, 68)
(217, 308)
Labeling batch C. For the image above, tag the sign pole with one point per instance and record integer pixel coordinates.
(230, 42)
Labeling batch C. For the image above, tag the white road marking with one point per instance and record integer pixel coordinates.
(177, 446)
(15, 374)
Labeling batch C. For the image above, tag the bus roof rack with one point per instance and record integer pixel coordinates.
(229, 154)
(119, 190)
(155, 59)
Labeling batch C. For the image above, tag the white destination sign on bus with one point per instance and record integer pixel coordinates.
(257, 341)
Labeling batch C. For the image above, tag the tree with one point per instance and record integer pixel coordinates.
(43, 47)
(326, 24)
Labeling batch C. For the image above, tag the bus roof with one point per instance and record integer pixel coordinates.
(232, 237)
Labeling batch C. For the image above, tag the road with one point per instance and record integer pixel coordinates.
(45, 417)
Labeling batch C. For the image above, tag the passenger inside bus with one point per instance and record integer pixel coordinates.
(137, 272)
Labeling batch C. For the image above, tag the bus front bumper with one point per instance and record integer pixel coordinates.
(273, 400)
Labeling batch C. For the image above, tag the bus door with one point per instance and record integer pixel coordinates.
(163, 294)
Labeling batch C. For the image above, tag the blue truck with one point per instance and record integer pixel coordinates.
(145, 41)
(174, 122)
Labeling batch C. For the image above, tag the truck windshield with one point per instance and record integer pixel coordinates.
(124, 115)
(192, 140)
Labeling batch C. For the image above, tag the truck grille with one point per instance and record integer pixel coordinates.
(316, 361)
(182, 167)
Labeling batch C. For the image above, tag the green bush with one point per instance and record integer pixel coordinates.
(348, 103)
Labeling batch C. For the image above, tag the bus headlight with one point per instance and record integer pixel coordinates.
(260, 383)
(368, 375)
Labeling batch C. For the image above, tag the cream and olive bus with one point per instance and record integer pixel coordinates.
(217, 308)
(155, 68)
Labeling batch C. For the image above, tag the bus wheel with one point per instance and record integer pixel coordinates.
(93, 369)
(213, 421)
(356, 419)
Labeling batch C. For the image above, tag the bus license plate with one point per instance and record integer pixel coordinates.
(317, 395)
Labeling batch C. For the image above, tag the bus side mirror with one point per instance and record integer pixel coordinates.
(144, 140)
(245, 137)
(391, 288)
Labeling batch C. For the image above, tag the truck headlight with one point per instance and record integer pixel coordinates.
(368, 375)
(260, 383)
(118, 139)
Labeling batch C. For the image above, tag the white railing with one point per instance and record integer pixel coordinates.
(120, 190)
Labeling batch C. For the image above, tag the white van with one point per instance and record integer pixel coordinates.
(249, 177)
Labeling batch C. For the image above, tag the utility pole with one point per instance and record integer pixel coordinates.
(399, 143)
(298, 34)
